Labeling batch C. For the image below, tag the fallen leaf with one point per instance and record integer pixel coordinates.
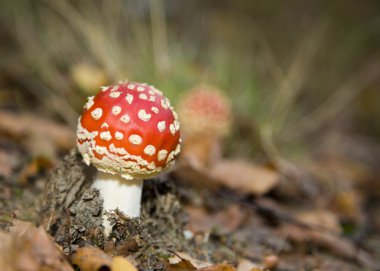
(218, 267)
(91, 259)
(322, 219)
(121, 264)
(6, 251)
(33, 248)
(244, 176)
(183, 261)
(27, 126)
(20, 228)
(335, 244)
(247, 265)
(228, 219)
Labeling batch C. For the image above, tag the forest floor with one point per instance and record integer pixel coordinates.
(315, 216)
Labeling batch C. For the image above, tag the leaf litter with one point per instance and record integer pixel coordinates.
(227, 227)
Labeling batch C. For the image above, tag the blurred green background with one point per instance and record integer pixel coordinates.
(296, 71)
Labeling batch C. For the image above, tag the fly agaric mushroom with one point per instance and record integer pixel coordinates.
(128, 132)
(205, 115)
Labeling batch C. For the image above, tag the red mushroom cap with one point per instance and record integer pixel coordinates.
(129, 129)
(205, 109)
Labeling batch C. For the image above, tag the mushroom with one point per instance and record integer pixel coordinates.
(205, 109)
(205, 115)
(129, 132)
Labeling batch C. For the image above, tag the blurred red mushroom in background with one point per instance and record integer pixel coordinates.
(205, 114)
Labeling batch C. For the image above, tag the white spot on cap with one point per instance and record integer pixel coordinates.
(115, 94)
(113, 148)
(129, 98)
(174, 114)
(155, 109)
(162, 155)
(106, 135)
(177, 149)
(81, 136)
(105, 125)
(149, 150)
(90, 102)
(140, 88)
(104, 88)
(152, 98)
(156, 90)
(135, 139)
(151, 166)
(131, 86)
(116, 110)
(164, 104)
(172, 129)
(119, 135)
(86, 159)
(143, 96)
(151, 92)
(97, 113)
(100, 149)
(161, 126)
(176, 125)
(143, 115)
(125, 118)
(170, 157)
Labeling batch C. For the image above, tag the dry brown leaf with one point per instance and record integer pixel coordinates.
(29, 248)
(322, 219)
(121, 264)
(20, 228)
(6, 251)
(91, 259)
(335, 244)
(219, 267)
(183, 261)
(228, 219)
(26, 126)
(247, 265)
(244, 176)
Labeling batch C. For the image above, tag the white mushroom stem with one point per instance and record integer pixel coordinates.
(118, 193)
